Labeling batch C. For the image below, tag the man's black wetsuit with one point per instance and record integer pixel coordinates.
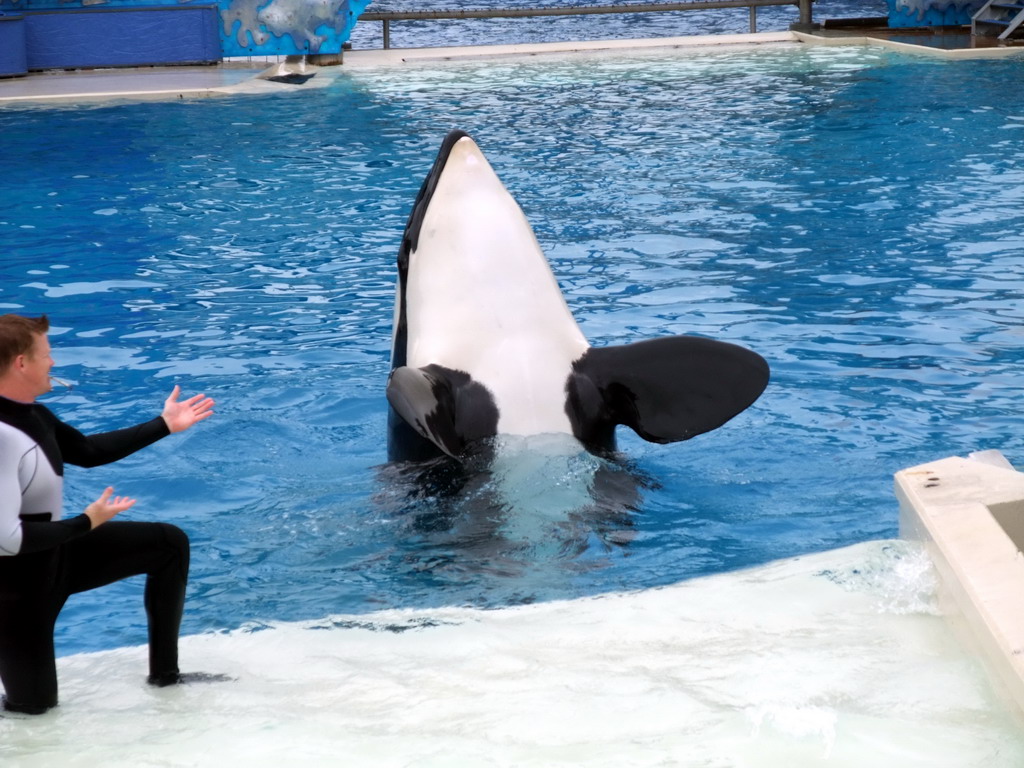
(44, 558)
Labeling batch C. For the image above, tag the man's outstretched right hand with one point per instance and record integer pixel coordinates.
(105, 507)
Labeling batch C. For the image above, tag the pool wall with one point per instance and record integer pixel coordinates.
(121, 37)
(969, 512)
(44, 34)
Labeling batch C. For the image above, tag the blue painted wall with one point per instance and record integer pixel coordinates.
(86, 37)
(12, 46)
(239, 27)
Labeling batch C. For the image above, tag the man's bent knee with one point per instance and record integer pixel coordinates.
(174, 536)
(176, 540)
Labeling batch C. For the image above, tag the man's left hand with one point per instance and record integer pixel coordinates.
(179, 416)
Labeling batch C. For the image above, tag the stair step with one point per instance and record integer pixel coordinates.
(1000, 15)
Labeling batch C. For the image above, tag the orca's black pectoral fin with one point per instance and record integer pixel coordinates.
(674, 388)
(427, 404)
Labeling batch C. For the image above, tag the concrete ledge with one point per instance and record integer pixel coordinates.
(996, 52)
(146, 84)
(969, 512)
(180, 82)
(397, 56)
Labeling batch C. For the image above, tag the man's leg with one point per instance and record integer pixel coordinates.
(117, 550)
(29, 603)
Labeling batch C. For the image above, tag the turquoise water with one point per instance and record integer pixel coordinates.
(537, 29)
(838, 211)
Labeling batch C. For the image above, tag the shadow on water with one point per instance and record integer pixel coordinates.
(533, 511)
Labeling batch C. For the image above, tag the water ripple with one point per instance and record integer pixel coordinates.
(815, 205)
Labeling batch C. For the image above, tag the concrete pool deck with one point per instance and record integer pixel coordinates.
(181, 82)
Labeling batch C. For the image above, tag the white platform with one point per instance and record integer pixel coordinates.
(136, 84)
(969, 512)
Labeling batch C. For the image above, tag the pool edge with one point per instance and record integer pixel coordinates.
(969, 514)
(232, 77)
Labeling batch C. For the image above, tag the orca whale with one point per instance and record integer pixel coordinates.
(485, 345)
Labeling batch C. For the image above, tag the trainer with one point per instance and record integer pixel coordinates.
(45, 557)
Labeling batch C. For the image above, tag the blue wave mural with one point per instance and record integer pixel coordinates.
(932, 13)
(286, 26)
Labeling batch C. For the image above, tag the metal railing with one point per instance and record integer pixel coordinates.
(386, 17)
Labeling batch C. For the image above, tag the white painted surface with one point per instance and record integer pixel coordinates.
(481, 298)
(835, 660)
(968, 513)
(169, 83)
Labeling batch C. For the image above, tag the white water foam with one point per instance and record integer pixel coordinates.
(836, 659)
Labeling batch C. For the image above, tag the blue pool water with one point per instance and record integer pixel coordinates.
(839, 211)
(538, 29)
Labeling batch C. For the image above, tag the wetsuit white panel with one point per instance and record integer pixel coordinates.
(28, 486)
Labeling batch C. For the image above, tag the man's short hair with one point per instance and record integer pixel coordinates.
(17, 335)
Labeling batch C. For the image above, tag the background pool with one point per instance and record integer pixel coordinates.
(538, 29)
(852, 215)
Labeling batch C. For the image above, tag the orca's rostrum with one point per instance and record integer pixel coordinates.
(484, 343)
